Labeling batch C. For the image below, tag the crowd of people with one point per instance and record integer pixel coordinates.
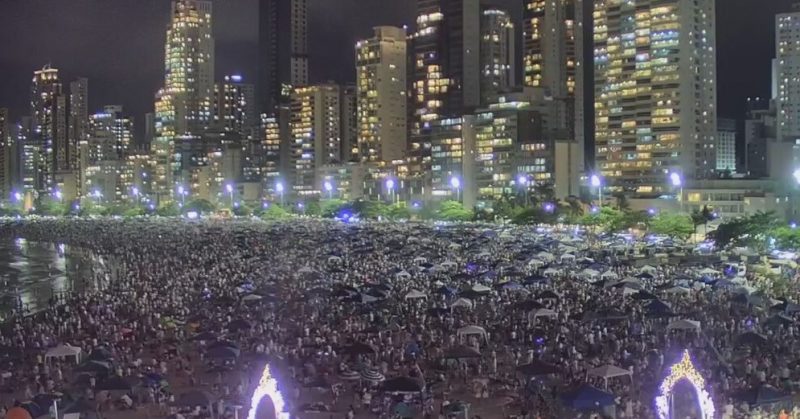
(392, 320)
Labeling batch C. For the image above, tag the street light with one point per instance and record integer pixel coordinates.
(522, 180)
(279, 188)
(677, 182)
(229, 188)
(59, 196)
(182, 193)
(390, 188)
(455, 182)
(17, 196)
(329, 188)
(597, 183)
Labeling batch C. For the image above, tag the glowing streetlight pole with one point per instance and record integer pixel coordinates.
(390, 188)
(182, 193)
(329, 188)
(456, 184)
(597, 183)
(229, 188)
(522, 180)
(279, 189)
(677, 182)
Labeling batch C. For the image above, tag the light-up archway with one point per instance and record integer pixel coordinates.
(684, 369)
(268, 387)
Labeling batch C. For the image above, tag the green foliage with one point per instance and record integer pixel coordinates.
(751, 231)
(787, 238)
(46, 205)
(398, 211)
(330, 208)
(533, 215)
(10, 209)
(201, 206)
(604, 218)
(453, 211)
(622, 202)
(242, 210)
(370, 209)
(274, 212)
(89, 207)
(131, 212)
(672, 225)
(168, 209)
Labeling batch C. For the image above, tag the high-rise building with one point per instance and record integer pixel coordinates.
(78, 117)
(726, 145)
(282, 51)
(498, 54)
(381, 86)
(48, 145)
(787, 66)
(760, 129)
(552, 56)
(349, 115)
(235, 107)
(655, 92)
(316, 135)
(30, 155)
(5, 154)
(184, 106)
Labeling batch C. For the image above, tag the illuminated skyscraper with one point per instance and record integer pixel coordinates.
(78, 117)
(282, 51)
(552, 57)
(235, 107)
(498, 54)
(316, 135)
(5, 155)
(48, 142)
(381, 85)
(655, 92)
(184, 105)
(787, 63)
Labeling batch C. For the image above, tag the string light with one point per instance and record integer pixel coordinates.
(267, 387)
(684, 369)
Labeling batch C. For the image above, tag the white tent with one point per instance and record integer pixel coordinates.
(420, 259)
(64, 351)
(589, 273)
(542, 312)
(402, 275)
(546, 256)
(463, 302)
(677, 290)
(415, 294)
(251, 297)
(708, 271)
(468, 331)
(628, 291)
(649, 269)
(567, 257)
(454, 246)
(609, 275)
(551, 271)
(334, 259)
(684, 325)
(483, 255)
(448, 264)
(535, 263)
(305, 270)
(480, 288)
(608, 371)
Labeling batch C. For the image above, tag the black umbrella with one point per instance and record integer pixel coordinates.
(548, 295)
(100, 354)
(99, 367)
(194, 398)
(537, 367)
(239, 324)
(644, 295)
(402, 385)
(777, 320)
(528, 305)
(114, 384)
(222, 352)
(359, 348)
(750, 339)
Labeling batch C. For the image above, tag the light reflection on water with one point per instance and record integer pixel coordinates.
(30, 272)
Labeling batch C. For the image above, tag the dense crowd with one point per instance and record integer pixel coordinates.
(393, 320)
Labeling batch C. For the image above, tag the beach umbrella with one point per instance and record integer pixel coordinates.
(402, 385)
(222, 352)
(644, 295)
(350, 376)
(372, 376)
(194, 398)
(98, 367)
(777, 320)
(18, 413)
(100, 354)
(587, 397)
(537, 367)
(548, 295)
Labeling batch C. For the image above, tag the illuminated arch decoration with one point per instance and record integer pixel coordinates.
(267, 387)
(684, 369)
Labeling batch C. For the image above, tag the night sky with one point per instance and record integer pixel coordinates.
(118, 45)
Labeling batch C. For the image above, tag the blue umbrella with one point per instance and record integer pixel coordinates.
(587, 397)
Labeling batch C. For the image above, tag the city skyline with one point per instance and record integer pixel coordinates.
(743, 42)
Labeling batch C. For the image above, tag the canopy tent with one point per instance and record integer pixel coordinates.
(587, 397)
(468, 331)
(480, 288)
(402, 275)
(677, 290)
(463, 302)
(708, 271)
(545, 256)
(589, 273)
(551, 272)
(542, 312)
(334, 259)
(648, 269)
(64, 351)
(609, 275)
(535, 263)
(415, 294)
(567, 257)
(448, 264)
(684, 325)
(608, 371)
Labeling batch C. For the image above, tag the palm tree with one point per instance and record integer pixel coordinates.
(622, 202)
